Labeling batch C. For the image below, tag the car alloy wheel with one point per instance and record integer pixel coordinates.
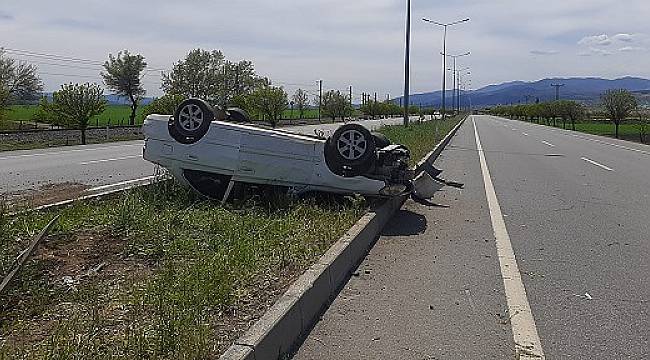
(352, 145)
(191, 117)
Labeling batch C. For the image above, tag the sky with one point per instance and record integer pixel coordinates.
(357, 43)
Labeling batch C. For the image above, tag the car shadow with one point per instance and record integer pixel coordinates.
(428, 203)
(405, 223)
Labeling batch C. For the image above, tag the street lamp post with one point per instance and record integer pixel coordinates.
(407, 74)
(444, 56)
(455, 77)
(459, 82)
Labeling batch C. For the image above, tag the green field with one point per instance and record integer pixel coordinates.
(628, 130)
(113, 115)
(119, 114)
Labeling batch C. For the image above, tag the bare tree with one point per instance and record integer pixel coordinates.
(123, 75)
(17, 80)
(618, 104)
(301, 101)
(78, 103)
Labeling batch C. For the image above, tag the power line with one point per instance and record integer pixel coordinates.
(55, 57)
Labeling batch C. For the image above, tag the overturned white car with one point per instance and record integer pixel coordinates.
(212, 149)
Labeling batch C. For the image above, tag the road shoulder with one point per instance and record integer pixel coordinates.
(431, 287)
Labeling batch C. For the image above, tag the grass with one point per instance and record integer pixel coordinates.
(420, 138)
(176, 271)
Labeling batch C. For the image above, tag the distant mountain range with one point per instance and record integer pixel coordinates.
(585, 90)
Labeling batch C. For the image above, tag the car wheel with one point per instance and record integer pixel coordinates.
(381, 141)
(350, 151)
(191, 121)
(237, 115)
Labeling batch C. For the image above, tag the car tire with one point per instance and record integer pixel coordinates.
(381, 141)
(191, 121)
(350, 151)
(237, 115)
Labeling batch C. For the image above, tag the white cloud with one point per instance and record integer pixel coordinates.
(623, 37)
(631, 49)
(596, 40)
(544, 52)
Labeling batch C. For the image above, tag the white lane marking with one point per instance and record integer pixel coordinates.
(524, 331)
(547, 143)
(68, 151)
(525, 134)
(107, 160)
(597, 164)
(122, 183)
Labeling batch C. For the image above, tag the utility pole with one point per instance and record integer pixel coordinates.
(407, 63)
(350, 96)
(375, 97)
(453, 91)
(557, 90)
(320, 98)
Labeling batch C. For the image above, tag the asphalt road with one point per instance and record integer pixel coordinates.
(576, 216)
(99, 165)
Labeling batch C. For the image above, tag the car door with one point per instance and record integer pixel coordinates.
(270, 157)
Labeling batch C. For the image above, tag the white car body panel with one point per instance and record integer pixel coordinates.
(252, 155)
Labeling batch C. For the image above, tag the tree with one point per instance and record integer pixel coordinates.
(618, 104)
(46, 113)
(209, 76)
(78, 103)
(17, 80)
(270, 102)
(371, 108)
(164, 105)
(572, 111)
(301, 101)
(642, 124)
(335, 104)
(123, 75)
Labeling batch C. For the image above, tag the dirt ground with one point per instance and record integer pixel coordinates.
(44, 195)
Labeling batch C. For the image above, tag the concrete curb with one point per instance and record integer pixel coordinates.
(114, 189)
(289, 319)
